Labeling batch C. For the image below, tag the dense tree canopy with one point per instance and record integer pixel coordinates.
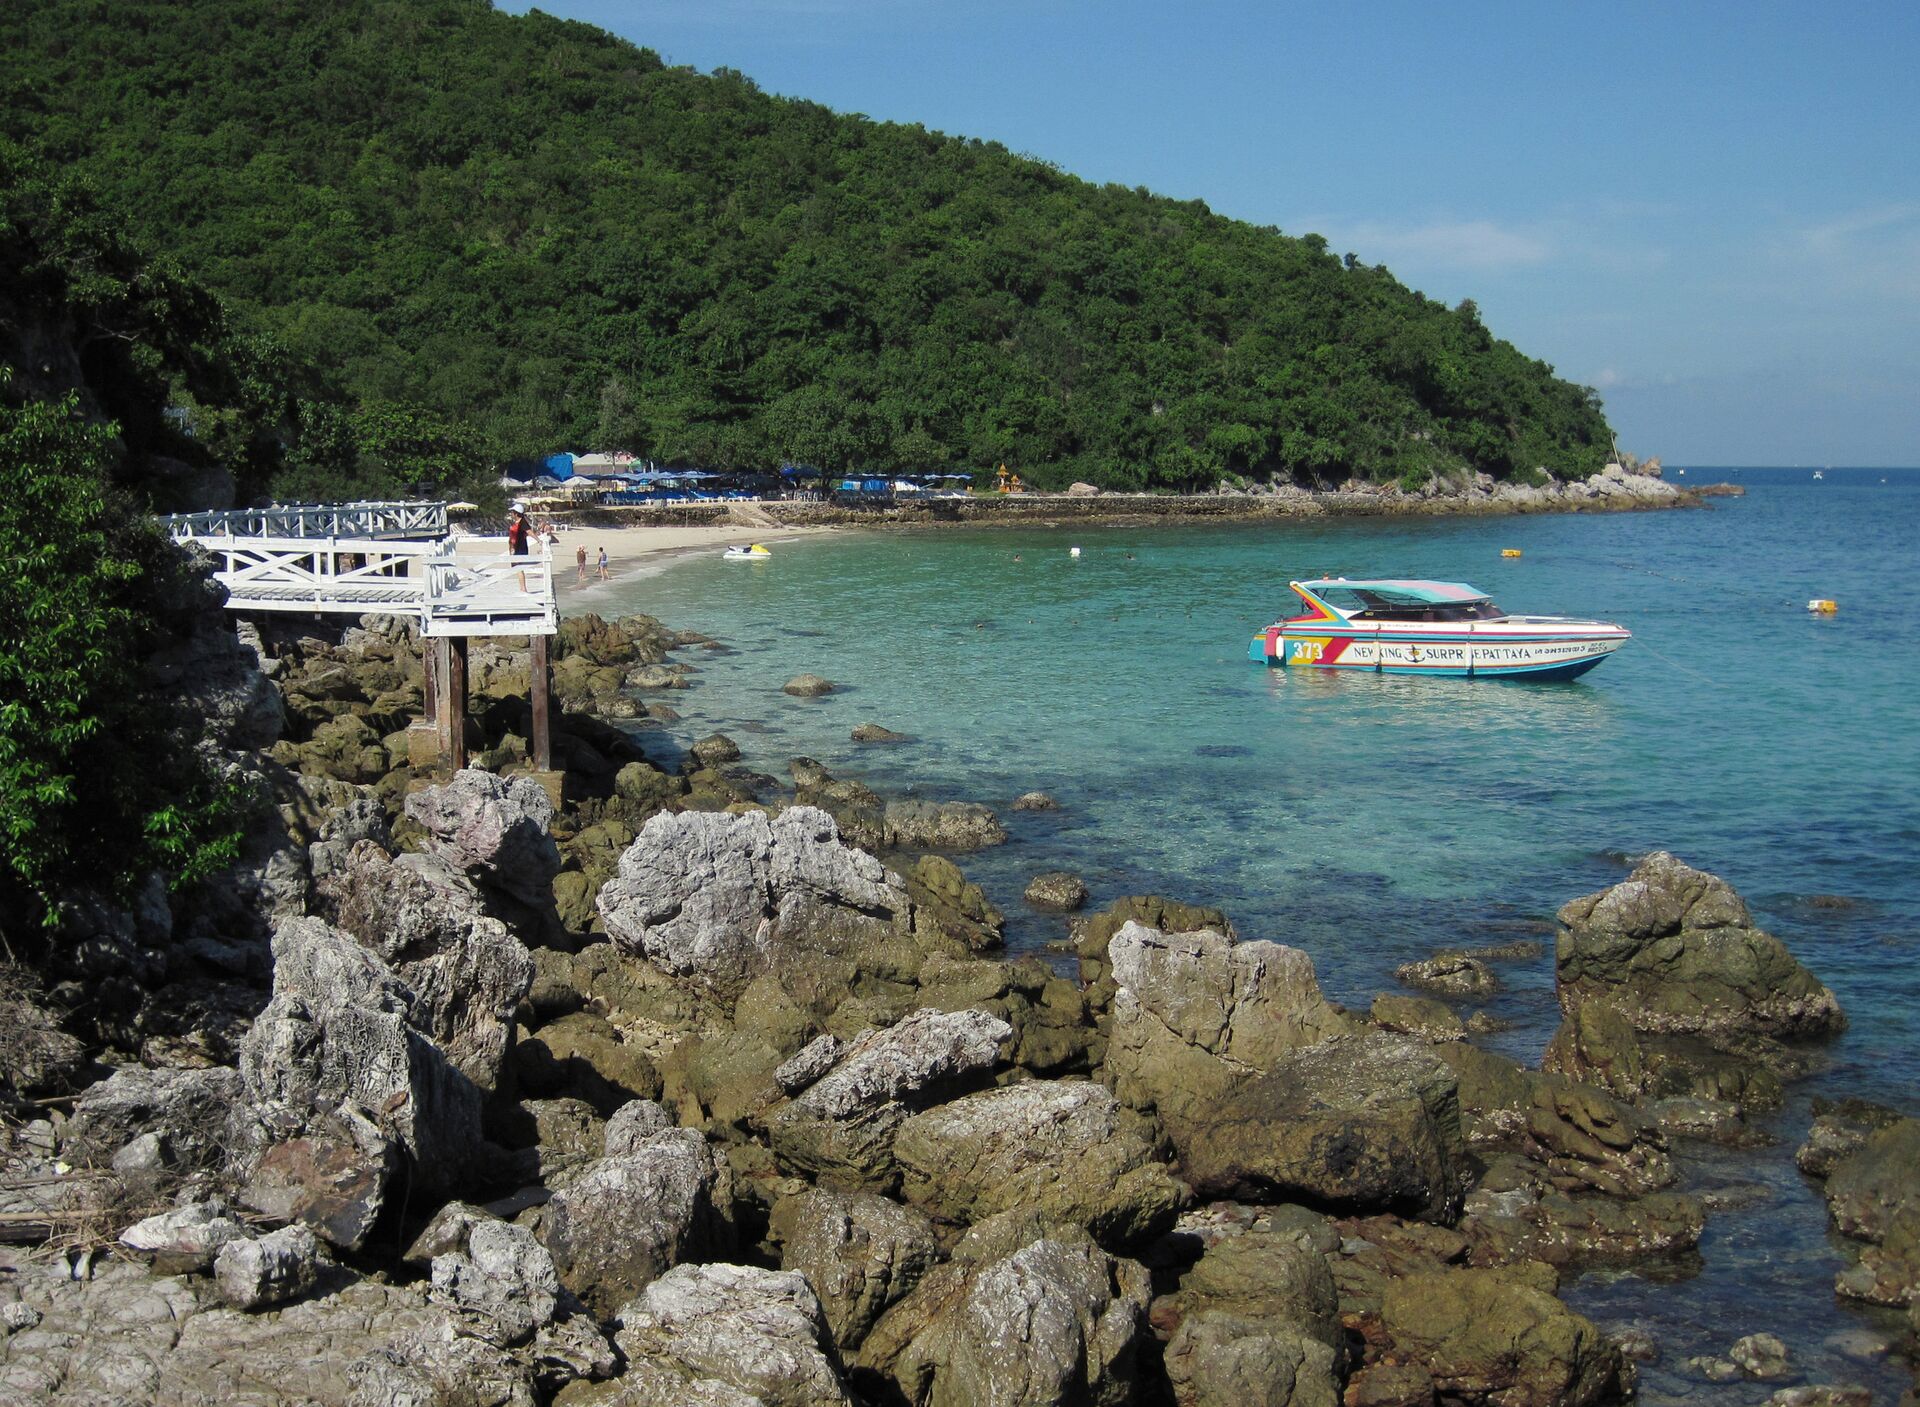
(528, 234)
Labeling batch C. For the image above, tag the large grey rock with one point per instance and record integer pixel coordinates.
(1258, 1314)
(333, 1178)
(124, 1336)
(212, 676)
(1194, 1013)
(861, 1253)
(466, 972)
(1499, 1336)
(1057, 1320)
(712, 898)
(1674, 949)
(191, 1110)
(758, 1331)
(1869, 1189)
(943, 825)
(256, 1274)
(498, 830)
(337, 1033)
(841, 1127)
(503, 1276)
(185, 1239)
(633, 1216)
(1066, 1151)
(1366, 1122)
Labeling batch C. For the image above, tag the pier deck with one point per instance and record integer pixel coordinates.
(391, 559)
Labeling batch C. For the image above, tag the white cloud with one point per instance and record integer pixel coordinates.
(1440, 244)
(1874, 251)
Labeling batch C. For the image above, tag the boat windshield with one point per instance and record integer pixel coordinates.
(1384, 603)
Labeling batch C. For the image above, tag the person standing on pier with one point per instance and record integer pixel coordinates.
(517, 531)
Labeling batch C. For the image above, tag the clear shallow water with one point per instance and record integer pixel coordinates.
(1370, 820)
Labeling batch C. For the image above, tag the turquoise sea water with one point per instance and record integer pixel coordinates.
(1370, 820)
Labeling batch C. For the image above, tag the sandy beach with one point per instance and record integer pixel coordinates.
(628, 546)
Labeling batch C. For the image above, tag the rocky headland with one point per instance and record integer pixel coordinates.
(1615, 488)
(619, 1085)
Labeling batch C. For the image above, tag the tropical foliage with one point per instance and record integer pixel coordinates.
(519, 233)
(98, 788)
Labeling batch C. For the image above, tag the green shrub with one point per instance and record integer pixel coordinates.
(99, 786)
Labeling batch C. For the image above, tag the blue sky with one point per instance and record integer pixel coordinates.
(1710, 212)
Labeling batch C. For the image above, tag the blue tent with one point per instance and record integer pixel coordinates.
(560, 465)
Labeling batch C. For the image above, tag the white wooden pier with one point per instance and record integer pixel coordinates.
(392, 559)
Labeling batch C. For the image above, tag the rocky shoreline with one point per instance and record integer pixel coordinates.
(1617, 488)
(615, 1085)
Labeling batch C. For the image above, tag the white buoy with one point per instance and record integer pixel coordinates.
(1073, 552)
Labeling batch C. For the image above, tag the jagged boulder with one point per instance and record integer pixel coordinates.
(1194, 1013)
(192, 1111)
(497, 830)
(1093, 934)
(861, 1253)
(337, 1033)
(253, 1274)
(943, 825)
(333, 1178)
(759, 1332)
(467, 973)
(1868, 1189)
(1367, 1121)
(636, 1213)
(841, 1127)
(1265, 1089)
(1258, 1322)
(713, 898)
(1067, 1152)
(1499, 1337)
(1081, 1315)
(947, 905)
(185, 1239)
(1674, 950)
(502, 1276)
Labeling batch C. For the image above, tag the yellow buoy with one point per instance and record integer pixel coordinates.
(1820, 606)
(1509, 552)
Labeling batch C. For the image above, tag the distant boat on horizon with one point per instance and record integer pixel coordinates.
(1818, 475)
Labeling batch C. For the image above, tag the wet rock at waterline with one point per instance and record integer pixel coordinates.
(1675, 950)
(1056, 891)
(807, 686)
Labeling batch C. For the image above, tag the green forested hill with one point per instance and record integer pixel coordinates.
(544, 236)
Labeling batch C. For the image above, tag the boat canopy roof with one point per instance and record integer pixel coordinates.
(1382, 592)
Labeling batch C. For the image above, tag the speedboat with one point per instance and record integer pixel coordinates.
(1443, 628)
(755, 553)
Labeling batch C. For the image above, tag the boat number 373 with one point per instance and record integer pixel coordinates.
(1306, 651)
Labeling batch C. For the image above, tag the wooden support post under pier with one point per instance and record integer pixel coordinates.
(424, 752)
(454, 702)
(430, 690)
(539, 689)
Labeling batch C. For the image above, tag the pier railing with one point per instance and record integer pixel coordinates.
(415, 519)
(403, 563)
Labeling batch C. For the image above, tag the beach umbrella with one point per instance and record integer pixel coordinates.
(463, 507)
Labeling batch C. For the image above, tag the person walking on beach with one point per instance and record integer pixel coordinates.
(605, 575)
(580, 561)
